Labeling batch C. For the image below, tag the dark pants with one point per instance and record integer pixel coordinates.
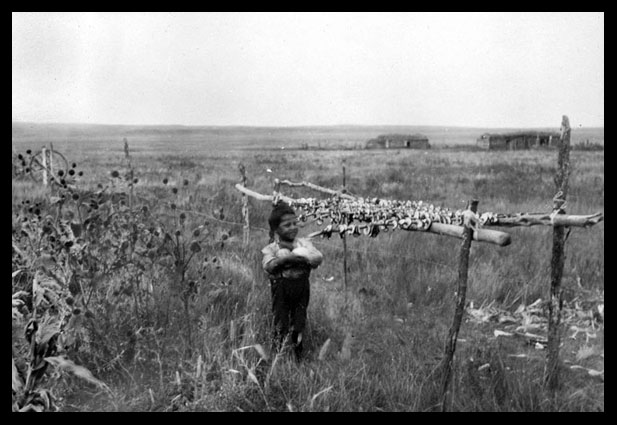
(290, 298)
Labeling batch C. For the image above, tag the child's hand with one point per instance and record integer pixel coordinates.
(283, 252)
(294, 260)
(301, 251)
(297, 259)
(291, 260)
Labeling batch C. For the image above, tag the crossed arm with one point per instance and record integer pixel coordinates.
(275, 264)
(272, 263)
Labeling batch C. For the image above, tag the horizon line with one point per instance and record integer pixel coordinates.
(283, 126)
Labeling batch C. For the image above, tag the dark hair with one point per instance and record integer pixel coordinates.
(280, 209)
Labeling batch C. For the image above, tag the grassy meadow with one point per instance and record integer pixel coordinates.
(161, 350)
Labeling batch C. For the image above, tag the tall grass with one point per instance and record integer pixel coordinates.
(399, 302)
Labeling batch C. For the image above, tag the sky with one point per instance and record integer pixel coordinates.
(505, 69)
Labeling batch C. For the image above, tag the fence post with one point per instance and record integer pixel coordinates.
(51, 159)
(461, 292)
(558, 259)
(127, 155)
(44, 160)
(245, 207)
(344, 243)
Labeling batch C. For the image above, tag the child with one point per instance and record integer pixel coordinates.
(288, 263)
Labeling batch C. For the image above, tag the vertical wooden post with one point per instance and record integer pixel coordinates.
(461, 292)
(51, 159)
(557, 259)
(245, 207)
(127, 155)
(344, 244)
(44, 159)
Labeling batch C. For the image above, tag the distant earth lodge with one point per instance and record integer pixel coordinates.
(398, 141)
(518, 140)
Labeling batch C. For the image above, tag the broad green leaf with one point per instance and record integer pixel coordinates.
(17, 383)
(32, 408)
(48, 327)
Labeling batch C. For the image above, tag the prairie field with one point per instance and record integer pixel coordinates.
(187, 329)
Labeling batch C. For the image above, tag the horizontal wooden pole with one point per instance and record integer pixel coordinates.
(259, 196)
(317, 188)
(540, 219)
(481, 235)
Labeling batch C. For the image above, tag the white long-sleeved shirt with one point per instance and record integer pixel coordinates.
(273, 250)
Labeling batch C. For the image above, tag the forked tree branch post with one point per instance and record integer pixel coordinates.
(461, 292)
(44, 161)
(245, 207)
(344, 245)
(51, 160)
(557, 259)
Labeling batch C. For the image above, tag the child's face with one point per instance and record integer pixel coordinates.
(288, 229)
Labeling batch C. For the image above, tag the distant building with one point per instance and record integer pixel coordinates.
(399, 141)
(518, 140)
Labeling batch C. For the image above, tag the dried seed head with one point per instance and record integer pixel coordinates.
(186, 182)
(165, 180)
(195, 247)
(174, 190)
(75, 196)
(81, 173)
(115, 174)
(173, 206)
(71, 172)
(60, 173)
(182, 216)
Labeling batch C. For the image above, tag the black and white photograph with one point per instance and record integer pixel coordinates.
(307, 212)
